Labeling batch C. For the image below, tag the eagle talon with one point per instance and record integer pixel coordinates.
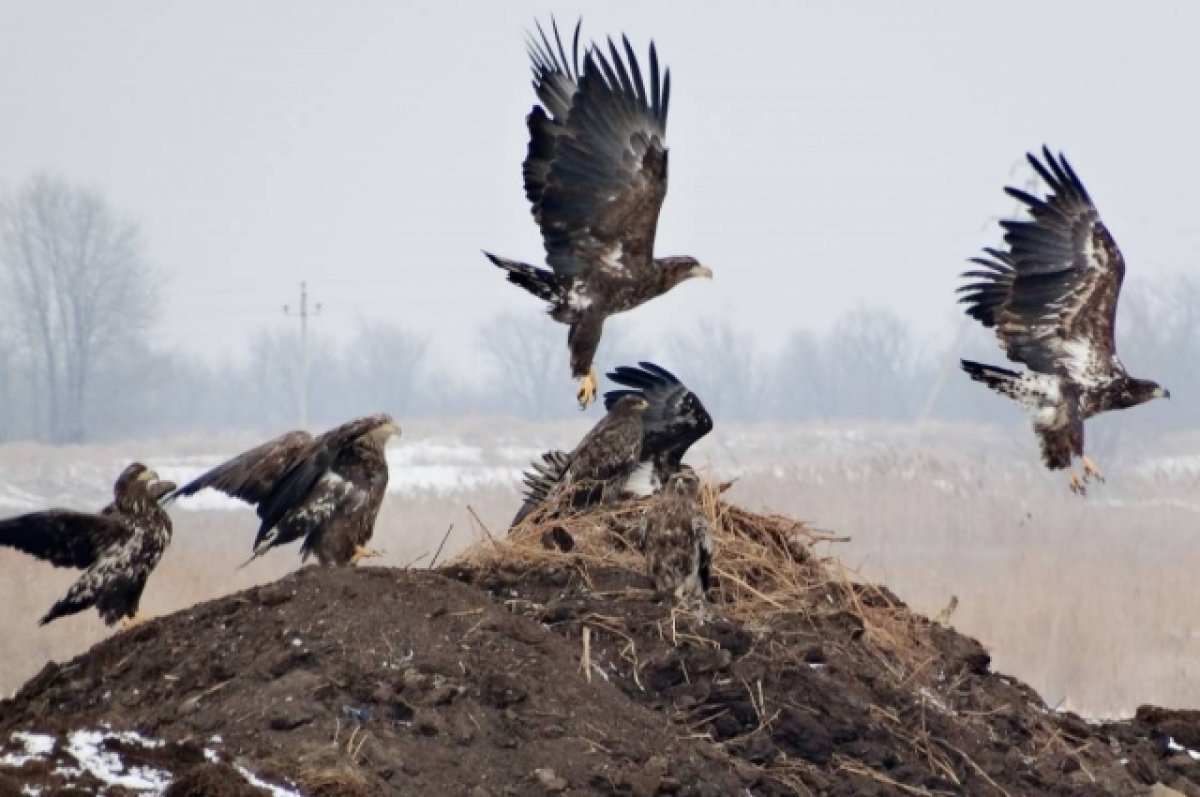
(587, 389)
(129, 623)
(1091, 471)
(1076, 483)
(361, 553)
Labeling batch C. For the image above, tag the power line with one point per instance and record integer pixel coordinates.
(303, 314)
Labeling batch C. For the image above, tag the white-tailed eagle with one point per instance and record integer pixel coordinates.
(673, 420)
(676, 540)
(1052, 299)
(116, 548)
(596, 176)
(325, 490)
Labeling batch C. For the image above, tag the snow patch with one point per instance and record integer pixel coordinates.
(108, 768)
(37, 746)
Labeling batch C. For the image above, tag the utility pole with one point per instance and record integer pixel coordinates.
(303, 313)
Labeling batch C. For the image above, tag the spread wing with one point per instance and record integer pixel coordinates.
(541, 480)
(675, 419)
(307, 469)
(251, 476)
(596, 170)
(62, 537)
(1052, 297)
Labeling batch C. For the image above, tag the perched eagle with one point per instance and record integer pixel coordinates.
(676, 540)
(598, 468)
(1052, 299)
(674, 419)
(326, 490)
(596, 176)
(117, 548)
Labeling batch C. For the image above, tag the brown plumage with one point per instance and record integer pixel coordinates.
(674, 419)
(1052, 299)
(116, 548)
(596, 177)
(325, 490)
(676, 540)
(598, 466)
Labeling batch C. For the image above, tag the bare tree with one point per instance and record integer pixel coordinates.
(77, 288)
(802, 389)
(530, 355)
(877, 367)
(717, 362)
(385, 363)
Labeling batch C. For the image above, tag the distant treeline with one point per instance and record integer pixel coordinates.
(78, 359)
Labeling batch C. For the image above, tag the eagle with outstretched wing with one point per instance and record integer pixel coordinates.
(1052, 299)
(673, 420)
(325, 490)
(116, 548)
(596, 175)
(676, 540)
(598, 467)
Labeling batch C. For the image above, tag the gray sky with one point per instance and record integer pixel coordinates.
(824, 154)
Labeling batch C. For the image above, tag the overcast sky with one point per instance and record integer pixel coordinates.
(823, 154)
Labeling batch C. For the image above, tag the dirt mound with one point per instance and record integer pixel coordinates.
(527, 669)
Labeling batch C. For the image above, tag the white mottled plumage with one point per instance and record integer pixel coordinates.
(676, 539)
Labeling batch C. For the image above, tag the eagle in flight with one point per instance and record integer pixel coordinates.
(596, 175)
(673, 420)
(676, 540)
(1052, 299)
(325, 490)
(116, 548)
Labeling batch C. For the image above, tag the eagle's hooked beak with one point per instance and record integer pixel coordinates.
(147, 476)
(701, 271)
(641, 405)
(1162, 392)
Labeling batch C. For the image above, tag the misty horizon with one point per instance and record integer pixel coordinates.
(823, 157)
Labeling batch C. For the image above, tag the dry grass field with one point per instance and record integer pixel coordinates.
(1089, 600)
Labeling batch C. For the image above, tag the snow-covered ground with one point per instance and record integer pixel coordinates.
(950, 458)
(83, 757)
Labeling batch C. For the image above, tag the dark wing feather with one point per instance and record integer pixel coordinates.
(675, 419)
(62, 537)
(609, 451)
(1052, 298)
(555, 79)
(600, 174)
(541, 481)
(293, 487)
(251, 476)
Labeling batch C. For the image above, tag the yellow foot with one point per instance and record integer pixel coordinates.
(128, 623)
(587, 389)
(361, 553)
(1091, 471)
(1076, 483)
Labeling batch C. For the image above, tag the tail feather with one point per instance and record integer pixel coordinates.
(541, 282)
(1001, 380)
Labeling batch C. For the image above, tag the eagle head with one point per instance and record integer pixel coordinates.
(678, 269)
(685, 481)
(630, 402)
(376, 430)
(135, 479)
(1139, 391)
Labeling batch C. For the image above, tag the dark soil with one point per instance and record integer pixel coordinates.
(469, 682)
